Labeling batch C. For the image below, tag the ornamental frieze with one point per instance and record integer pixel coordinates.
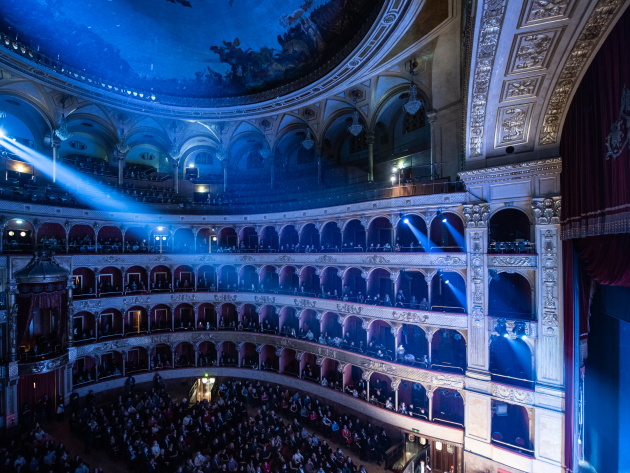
(307, 303)
(263, 299)
(183, 297)
(349, 308)
(43, 366)
(406, 316)
(512, 394)
(520, 261)
(136, 300)
(226, 297)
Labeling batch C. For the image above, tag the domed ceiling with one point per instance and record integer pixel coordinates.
(192, 49)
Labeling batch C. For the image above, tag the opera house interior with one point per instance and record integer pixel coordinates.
(314, 236)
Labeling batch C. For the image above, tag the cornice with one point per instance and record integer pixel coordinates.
(416, 317)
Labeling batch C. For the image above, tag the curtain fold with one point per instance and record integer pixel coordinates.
(596, 144)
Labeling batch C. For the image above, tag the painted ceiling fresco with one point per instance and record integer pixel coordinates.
(192, 48)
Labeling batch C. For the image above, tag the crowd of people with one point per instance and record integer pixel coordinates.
(247, 427)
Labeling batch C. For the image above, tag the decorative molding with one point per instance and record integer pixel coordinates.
(536, 12)
(492, 16)
(511, 394)
(531, 51)
(521, 88)
(547, 211)
(513, 124)
(43, 366)
(599, 21)
(513, 261)
(476, 216)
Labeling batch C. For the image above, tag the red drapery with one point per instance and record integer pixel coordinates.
(596, 144)
(27, 303)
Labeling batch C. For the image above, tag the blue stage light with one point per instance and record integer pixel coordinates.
(406, 221)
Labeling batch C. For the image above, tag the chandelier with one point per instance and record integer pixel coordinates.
(308, 142)
(356, 128)
(62, 131)
(414, 103)
(265, 151)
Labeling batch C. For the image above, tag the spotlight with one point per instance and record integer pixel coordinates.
(406, 221)
(440, 216)
(446, 281)
(444, 220)
(19, 222)
(11, 233)
(163, 238)
(160, 229)
(2, 134)
(519, 331)
(501, 328)
(22, 234)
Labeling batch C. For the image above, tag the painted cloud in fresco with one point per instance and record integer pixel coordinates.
(218, 48)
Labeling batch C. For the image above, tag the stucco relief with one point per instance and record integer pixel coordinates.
(492, 16)
(513, 124)
(542, 11)
(599, 21)
(476, 216)
(531, 51)
(547, 211)
(507, 393)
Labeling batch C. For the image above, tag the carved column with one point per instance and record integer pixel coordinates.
(431, 118)
(430, 391)
(70, 312)
(12, 321)
(429, 279)
(370, 142)
(120, 157)
(176, 161)
(395, 385)
(429, 334)
(55, 143)
(476, 217)
(224, 165)
(549, 289)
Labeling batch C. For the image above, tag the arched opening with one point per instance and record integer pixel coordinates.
(381, 340)
(269, 280)
(411, 234)
(268, 358)
(249, 357)
(330, 328)
(249, 318)
(289, 280)
(84, 282)
(110, 281)
(510, 427)
(269, 319)
(228, 279)
(83, 371)
(184, 278)
(354, 285)
(110, 239)
(136, 321)
(183, 241)
(309, 325)
(309, 282)
(510, 296)
(354, 383)
(207, 278)
(269, 240)
(330, 371)
(289, 323)
(309, 368)
(380, 391)
(228, 317)
(227, 240)
(53, 236)
(83, 327)
(309, 238)
(248, 240)
(331, 283)
(136, 240)
(111, 365)
(161, 357)
(380, 235)
(331, 237)
(136, 280)
(137, 360)
(412, 290)
(353, 237)
(354, 335)
(184, 317)
(414, 341)
(448, 292)
(81, 239)
(184, 355)
(207, 354)
(289, 239)
(206, 241)
(110, 324)
(447, 233)
(509, 231)
(206, 317)
(160, 278)
(228, 355)
(289, 365)
(511, 361)
(448, 407)
(448, 351)
(380, 287)
(161, 319)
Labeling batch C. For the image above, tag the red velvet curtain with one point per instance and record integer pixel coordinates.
(595, 184)
(27, 303)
